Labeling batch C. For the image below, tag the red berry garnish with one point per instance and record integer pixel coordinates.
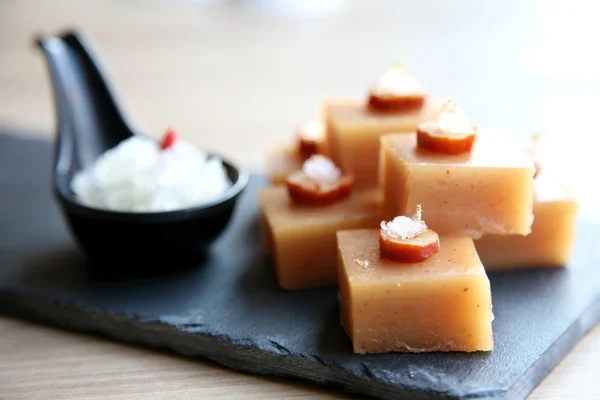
(169, 139)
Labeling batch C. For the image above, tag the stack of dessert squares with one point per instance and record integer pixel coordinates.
(404, 204)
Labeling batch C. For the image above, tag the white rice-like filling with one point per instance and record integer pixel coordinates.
(403, 227)
(396, 82)
(136, 176)
(455, 123)
(321, 168)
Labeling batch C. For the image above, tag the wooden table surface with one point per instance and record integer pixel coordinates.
(233, 75)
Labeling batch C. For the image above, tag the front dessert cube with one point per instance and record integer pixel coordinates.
(353, 133)
(486, 191)
(302, 239)
(550, 243)
(441, 304)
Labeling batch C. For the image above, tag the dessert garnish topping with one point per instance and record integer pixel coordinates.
(533, 151)
(319, 182)
(408, 240)
(404, 227)
(169, 139)
(453, 133)
(396, 90)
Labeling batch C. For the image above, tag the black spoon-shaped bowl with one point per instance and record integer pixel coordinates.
(90, 122)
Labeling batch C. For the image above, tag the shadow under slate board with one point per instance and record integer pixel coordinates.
(231, 311)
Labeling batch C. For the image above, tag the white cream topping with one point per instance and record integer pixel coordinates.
(321, 168)
(451, 122)
(396, 82)
(454, 122)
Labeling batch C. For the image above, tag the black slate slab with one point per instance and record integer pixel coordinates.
(230, 310)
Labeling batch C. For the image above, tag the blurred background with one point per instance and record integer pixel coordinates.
(234, 75)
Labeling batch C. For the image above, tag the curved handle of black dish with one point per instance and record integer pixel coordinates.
(89, 118)
(65, 155)
(78, 43)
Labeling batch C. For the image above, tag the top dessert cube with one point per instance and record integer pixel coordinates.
(395, 103)
(486, 190)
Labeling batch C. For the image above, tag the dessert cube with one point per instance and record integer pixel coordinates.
(441, 304)
(302, 238)
(488, 190)
(552, 235)
(353, 133)
(282, 159)
(285, 157)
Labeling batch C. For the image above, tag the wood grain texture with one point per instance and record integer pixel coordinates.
(40, 362)
(234, 75)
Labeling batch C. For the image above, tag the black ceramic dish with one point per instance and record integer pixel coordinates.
(90, 121)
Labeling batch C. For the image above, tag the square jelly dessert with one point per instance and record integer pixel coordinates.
(396, 103)
(443, 303)
(471, 183)
(552, 237)
(285, 157)
(281, 159)
(300, 220)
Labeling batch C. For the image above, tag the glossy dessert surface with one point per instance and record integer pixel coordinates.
(552, 237)
(491, 149)
(302, 238)
(441, 304)
(353, 116)
(488, 191)
(353, 133)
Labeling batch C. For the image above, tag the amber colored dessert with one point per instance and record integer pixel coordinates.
(441, 304)
(353, 133)
(488, 190)
(302, 238)
(552, 237)
(326, 106)
(283, 158)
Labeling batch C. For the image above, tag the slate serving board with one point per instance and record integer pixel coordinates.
(231, 311)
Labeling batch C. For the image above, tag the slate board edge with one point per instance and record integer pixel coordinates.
(531, 378)
(134, 330)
